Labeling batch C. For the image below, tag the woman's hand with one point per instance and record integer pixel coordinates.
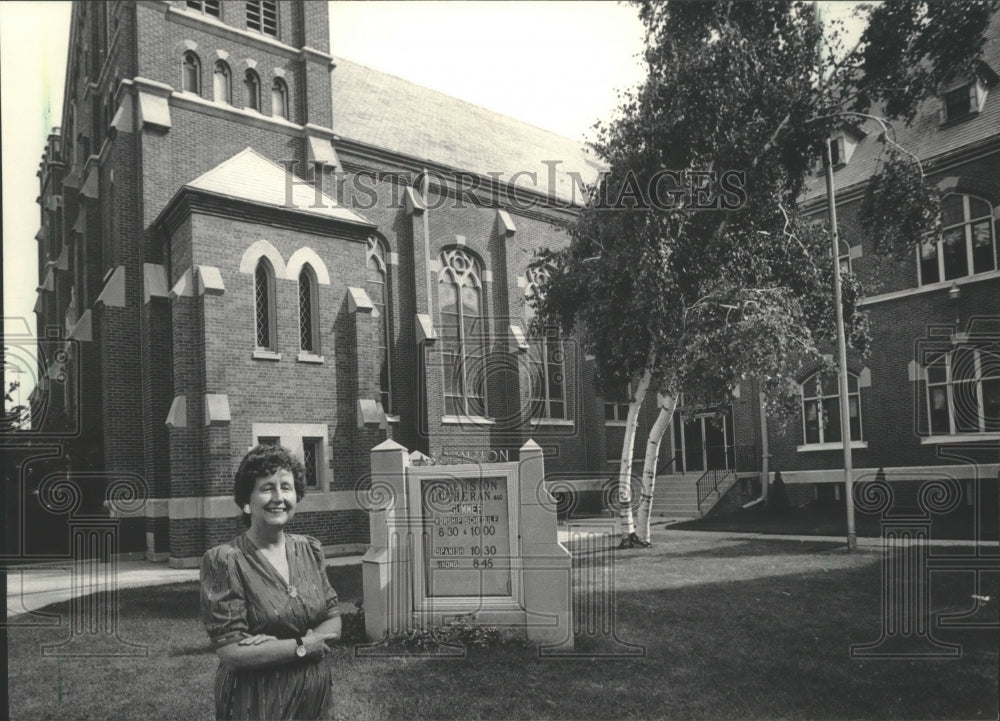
(316, 643)
(257, 640)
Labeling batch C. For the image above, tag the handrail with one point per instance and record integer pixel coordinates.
(709, 483)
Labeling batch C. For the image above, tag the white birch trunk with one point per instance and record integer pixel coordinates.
(667, 404)
(625, 469)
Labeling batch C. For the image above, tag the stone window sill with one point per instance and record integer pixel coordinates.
(263, 354)
(472, 420)
(809, 447)
(307, 357)
(960, 438)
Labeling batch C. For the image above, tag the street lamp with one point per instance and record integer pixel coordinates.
(845, 420)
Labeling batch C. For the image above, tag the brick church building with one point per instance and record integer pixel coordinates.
(247, 240)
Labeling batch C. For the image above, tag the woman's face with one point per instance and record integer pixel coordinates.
(272, 500)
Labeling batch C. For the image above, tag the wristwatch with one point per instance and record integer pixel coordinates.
(300, 647)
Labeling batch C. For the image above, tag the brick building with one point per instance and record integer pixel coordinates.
(927, 404)
(245, 239)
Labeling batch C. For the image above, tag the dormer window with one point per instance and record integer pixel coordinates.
(962, 101)
(837, 151)
(842, 145)
(959, 102)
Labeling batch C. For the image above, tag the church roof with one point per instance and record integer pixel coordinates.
(927, 138)
(380, 110)
(248, 175)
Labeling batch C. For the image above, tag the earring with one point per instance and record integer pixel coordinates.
(246, 509)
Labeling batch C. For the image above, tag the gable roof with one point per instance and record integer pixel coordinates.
(927, 137)
(383, 111)
(248, 175)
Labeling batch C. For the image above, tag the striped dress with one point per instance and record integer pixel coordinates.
(242, 595)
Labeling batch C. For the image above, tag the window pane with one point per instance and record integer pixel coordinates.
(937, 372)
(470, 300)
(991, 404)
(963, 365)
(305, 312)
(310, 459)
(967, 413)
(263, 307)
(956, 264)
(855, 418)
(447, 297)
(555, 381)
(958, 103)
(812, 422)
(452, 373)
(979, 208)
(982, 247)
(831, 415)
(952, 210)
(940, 416)
(929, 272)
(989, 364)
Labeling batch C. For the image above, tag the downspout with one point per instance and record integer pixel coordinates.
(765, 456)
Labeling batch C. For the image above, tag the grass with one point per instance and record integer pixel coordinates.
(830, 519)
(729, 629)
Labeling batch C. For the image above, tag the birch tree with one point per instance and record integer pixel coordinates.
(693, 268)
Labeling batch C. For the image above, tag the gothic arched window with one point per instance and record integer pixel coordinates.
(546, 355)
(378, 290)
(463, 334)
(264, 314)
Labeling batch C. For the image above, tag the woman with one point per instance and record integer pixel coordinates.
(266, 602)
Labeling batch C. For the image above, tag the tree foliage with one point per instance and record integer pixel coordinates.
(660, 277)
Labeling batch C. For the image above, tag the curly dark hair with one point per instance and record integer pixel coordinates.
(262, 461)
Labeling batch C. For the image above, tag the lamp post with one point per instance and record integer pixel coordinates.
(845, 420)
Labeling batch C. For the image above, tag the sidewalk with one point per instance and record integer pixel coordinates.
(32, 588)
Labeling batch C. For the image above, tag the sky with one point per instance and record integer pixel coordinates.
(556, 65)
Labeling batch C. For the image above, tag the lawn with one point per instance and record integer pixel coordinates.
(830, 519)
(725, 629)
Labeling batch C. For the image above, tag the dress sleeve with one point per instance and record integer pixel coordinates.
(223, 601)
(332, 604)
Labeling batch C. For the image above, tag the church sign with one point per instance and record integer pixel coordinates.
(473, 540)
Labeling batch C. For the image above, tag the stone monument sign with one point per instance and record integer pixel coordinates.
(474, 540)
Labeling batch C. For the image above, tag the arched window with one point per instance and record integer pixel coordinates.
(252, 84)
(966, 245)
(963, 391)
(463, 334)
(545, 355)
(279, 99)
(264, 314)
(308, 311)
(191, 73)
(378, 290)
(821, 408)
(221, 83)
